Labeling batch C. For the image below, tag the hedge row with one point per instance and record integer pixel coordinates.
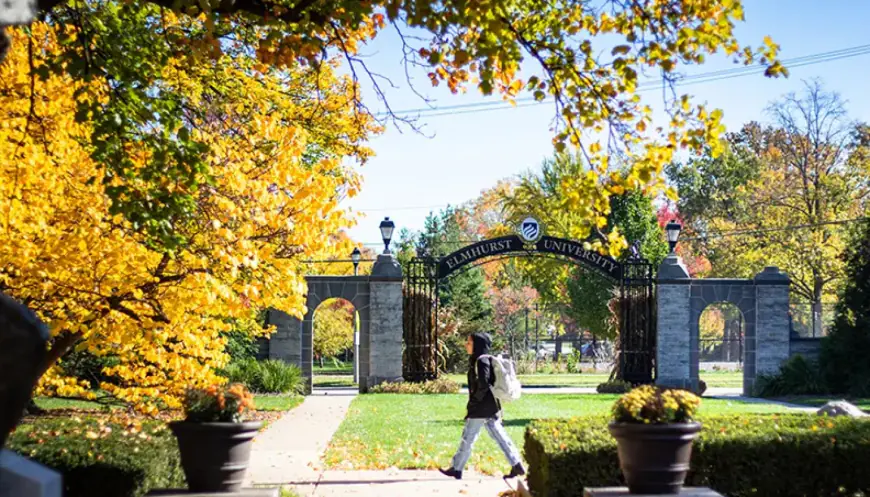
(747, 455)
(102, 459)
(439, 386)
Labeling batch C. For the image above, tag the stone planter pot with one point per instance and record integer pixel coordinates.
(214, 456)
(654, 458)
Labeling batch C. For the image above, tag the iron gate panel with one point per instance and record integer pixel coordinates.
(420, 316)
(637, 327)
(634, 280)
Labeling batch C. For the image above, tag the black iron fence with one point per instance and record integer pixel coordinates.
(806, 323)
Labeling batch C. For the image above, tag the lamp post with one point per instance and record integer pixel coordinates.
(355, 257)
(386, 228)
(673, 229)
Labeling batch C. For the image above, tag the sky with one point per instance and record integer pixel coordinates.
(463, 152)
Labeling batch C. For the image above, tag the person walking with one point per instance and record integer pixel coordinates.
(483, 410)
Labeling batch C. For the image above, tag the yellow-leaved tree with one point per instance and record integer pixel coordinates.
(587, 58)
(277, 149)
(333, 328)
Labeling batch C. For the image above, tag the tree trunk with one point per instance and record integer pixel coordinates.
(818, 286)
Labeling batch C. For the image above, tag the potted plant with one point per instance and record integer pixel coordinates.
(214, 440)
(654, 429)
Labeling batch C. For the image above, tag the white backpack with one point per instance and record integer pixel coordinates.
(506, 387)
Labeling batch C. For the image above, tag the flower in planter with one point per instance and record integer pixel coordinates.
(653, 405)
(218, 404)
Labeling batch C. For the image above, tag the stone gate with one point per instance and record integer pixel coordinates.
(377, 298)
(763, 301)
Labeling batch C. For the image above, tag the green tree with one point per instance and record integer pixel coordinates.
(781, 195)
(589, 293)
(582, 293)
(845, 357)
(463, 306)
(463, 293)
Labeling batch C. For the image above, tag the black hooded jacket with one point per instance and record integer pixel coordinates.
(481, 402)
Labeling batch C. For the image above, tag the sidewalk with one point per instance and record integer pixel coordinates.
(289, 450)
(288, 454)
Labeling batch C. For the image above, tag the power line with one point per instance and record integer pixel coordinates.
(735, 232)
(649, 85)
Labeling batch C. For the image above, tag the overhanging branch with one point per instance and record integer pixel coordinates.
(300, 12)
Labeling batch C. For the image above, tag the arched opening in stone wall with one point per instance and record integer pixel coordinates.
(335, 324)
(721, 344)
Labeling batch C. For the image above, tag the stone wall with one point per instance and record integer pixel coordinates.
(286, 342)
(385, 335)
(673, 360)
(763, 302)
(810, 348)
(772, 325)
(378, 301)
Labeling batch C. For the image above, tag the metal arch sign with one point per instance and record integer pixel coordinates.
(518, 244)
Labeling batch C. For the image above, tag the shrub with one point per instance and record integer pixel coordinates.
(797, 376)
(613, 386)
(102, 459)
(269, 376)
(439, 386)
(574, 362)
(746, 455)
(240, 345)
(243, 371)
(277, 376)
(85, 365)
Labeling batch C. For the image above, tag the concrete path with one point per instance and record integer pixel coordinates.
(289, 450)
(288, 454)
(400, 483)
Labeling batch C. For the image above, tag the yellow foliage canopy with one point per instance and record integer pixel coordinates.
(279, 158)
(333, 328)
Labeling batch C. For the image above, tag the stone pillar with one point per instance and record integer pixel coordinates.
(673, 341)
(308, 349)
(771, 344)
(286, 342)
(381, 347)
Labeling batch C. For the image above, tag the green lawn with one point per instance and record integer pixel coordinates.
(722, 379)
(277, 402)
(333, 381)
(733, 379)
(330, 367)
(422, 431)
(49, 403)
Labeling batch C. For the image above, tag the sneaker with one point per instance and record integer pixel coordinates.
(452, 473)
(517, 470)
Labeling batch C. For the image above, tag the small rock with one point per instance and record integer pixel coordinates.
(841, 408)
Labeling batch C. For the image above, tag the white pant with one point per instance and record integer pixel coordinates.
(496, 431)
